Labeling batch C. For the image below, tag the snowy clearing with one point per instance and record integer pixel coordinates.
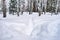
(30, 27)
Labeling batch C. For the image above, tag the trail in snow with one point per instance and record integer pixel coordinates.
(44, 30)
(30, 27)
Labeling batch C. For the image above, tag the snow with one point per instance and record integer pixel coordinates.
(30, 27)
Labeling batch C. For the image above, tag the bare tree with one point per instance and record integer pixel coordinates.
(18, 7)
(23, 5)
(30, 6)
(4, 8)
(39, 7)
(56, 10)
(44, 4)
(34, 6)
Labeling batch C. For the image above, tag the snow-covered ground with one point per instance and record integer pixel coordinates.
(30, 27)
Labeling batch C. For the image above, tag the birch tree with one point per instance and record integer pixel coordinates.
(22, 5)
(44, 4)
(18, 7)
(56, 10)
(30, 6)
(39, 7)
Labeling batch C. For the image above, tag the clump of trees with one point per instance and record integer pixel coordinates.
(13, 6)
(52, 6)
(40, 6)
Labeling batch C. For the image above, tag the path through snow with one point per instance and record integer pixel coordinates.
(30, 27)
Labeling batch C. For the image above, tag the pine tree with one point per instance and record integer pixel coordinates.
(13, 6)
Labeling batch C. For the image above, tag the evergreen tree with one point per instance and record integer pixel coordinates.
(13, 6)
(51, 5)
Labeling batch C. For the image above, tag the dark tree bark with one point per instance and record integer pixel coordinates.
(34, 6)
(30, 7)
(4, 8)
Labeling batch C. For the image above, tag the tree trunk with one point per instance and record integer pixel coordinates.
(4, 8)
(30, 7)
(18, 3)
(56, 10)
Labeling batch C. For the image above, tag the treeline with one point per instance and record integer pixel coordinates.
(40, 6)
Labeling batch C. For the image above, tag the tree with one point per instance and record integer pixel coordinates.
(30, 6)
(44, 5)
(34, 6)
(51, 5)
(22, 6)
(18, 7)
(13, 6)
(4, 8)
(40, 7)
(56, 10)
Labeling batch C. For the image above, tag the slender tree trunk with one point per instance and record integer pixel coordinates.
(4, 8)
(34, 7)
(30, 8)
(45, 9)
(56, 10)
(23, 9)
(18, 7)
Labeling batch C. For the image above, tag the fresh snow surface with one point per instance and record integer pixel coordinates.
(30, 27)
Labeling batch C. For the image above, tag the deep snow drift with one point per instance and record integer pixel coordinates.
(30, 27)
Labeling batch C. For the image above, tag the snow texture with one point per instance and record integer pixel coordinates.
(30, 27)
